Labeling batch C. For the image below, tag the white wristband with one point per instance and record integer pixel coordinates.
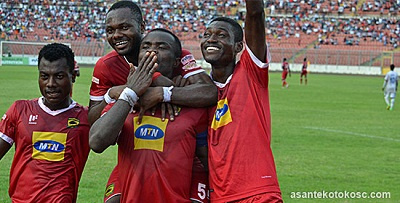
(167, 91)
(107, 97)
(129, 96)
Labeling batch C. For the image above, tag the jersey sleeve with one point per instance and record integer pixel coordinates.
(113, 185)
(188, 66)
(8, 124)
(256, 69)
(257, 61)
(100, 81)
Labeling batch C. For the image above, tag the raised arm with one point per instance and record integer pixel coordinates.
(255, 28)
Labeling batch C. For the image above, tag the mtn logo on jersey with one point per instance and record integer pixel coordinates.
(72, 122)
(48, 146)
(222, 115)
(150, 133)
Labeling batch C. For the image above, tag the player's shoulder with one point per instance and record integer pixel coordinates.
(110, 56)
(79, 107)
(22, 103)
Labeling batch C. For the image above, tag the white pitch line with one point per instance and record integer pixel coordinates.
(352, 133)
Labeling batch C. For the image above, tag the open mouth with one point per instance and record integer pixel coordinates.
(121, 44)
(211, 49)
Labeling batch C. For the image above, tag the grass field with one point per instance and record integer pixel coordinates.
(332, 135)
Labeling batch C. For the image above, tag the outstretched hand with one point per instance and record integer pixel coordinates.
(140, 79)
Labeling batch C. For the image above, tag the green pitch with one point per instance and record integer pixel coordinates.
(334, 134)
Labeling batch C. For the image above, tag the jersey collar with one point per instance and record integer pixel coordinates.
(56, 112)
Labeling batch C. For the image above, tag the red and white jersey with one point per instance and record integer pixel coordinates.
(241, 163)
(199, 191)
(285, 66)
(155, 158)
(113, 69)
(51, 149)
(305, 64)
(76, 66)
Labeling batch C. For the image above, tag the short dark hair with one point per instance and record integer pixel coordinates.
(136, 11)
(178, 48)
(284, 59)
(237, 29)
(55, 51)
(305, 59)
(391, 66)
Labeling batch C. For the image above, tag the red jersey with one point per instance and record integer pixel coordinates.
(113, 187)
(304, 68)
(285, 66)
(155, 158)
(113, 70)
(199, 191)
(51, 149)
(240, 157)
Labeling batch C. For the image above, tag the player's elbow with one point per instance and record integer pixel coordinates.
(95, 143)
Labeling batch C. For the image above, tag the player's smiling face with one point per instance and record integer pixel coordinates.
(218, 44)
(55, 83)
(123, 31)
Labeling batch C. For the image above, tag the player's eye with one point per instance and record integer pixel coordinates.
(43, 76)
(110, 31)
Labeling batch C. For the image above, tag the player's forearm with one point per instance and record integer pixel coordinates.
(105, 130)
(4, 147)
(255, 28)
(95, 109)
(162, 81)
(196, 95)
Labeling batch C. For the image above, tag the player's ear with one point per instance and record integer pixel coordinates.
(73, 76)
(177, 62)
(238, 47)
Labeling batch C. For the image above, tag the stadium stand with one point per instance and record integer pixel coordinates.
(299, 27)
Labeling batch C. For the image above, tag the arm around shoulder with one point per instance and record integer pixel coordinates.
(201, 92)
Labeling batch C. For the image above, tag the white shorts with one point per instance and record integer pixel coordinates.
(390, 94)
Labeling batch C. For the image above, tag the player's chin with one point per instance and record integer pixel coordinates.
(211, 59)
(125, 51)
